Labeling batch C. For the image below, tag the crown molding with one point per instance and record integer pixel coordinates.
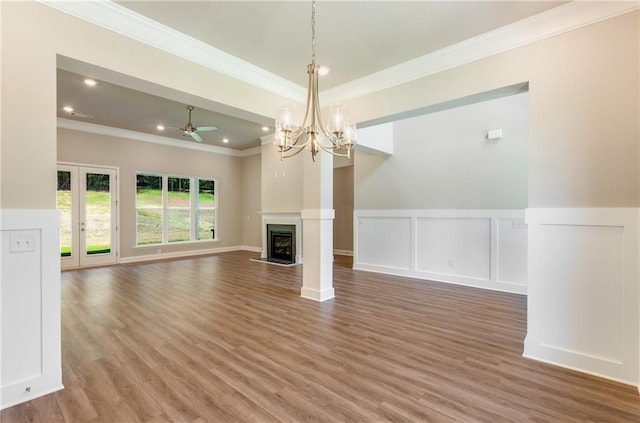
(558, 20)
(119, 19)
(155, 139)
(267, 139)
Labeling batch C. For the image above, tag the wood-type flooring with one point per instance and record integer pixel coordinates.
(221, 338)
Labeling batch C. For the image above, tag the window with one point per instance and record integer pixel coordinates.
(178, 209)
(174, 209)
(206, 209)
(149, 209)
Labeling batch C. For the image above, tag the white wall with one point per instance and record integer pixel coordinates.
(583, 290)
(30, 305)
(479, 248)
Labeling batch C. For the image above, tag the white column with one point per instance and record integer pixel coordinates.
(317, 228)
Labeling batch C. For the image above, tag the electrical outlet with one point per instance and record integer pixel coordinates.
(518, 224)
(451, 262)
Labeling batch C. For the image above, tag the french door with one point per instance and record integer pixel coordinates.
(87, 201)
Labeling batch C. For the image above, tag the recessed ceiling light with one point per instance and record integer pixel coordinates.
(323, 70)
(160, 127)
(225, 140)
(90, 82)
(265, 128)
(68, 109)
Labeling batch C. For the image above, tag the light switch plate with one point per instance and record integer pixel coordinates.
(22, 242)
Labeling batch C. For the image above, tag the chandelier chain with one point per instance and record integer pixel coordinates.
(313, 31)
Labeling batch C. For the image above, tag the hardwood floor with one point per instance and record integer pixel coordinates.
(222, 338)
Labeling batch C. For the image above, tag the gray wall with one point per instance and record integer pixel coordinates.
(343, 205)
(443, 160)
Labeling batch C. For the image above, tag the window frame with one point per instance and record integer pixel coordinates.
(194, 208)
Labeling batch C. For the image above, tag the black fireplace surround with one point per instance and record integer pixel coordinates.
(281, 243)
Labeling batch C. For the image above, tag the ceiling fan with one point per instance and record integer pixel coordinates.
(192, 131)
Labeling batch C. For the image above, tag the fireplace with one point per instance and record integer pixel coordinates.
(281, 243)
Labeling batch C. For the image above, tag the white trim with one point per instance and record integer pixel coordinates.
(315, 295)
(181, 254)
(318, 214)
(343, 252)
(94, 128)
(250, 248)
(555, 274)
(547, 24)
(558, 20)
(282, 218)
(47, 376)
(409, 265)
(123, 21)
(267, 139)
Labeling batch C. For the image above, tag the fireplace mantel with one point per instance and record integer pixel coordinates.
(282, 218)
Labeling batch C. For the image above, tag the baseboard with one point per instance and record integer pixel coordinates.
(511, 288)
(343, 252)
(478, 248)
(184, 254)
(545, 354)
(315, 295)
(251, 248)
(17, 394)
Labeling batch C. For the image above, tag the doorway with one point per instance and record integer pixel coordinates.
(87, 203)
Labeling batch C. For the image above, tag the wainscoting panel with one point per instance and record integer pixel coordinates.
(512, 252)
(583, 290)
(384, 241)
(30, 298)
(454, 246)
(480, 248)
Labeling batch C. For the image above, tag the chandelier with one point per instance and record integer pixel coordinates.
(292, 136)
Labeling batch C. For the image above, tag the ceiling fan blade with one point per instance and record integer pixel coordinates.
(196, 137)
(206, 128)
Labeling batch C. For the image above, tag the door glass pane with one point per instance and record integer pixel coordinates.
(206, 209)
(149, 209)
(64, 207)
(98, 214)
(179, 209)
